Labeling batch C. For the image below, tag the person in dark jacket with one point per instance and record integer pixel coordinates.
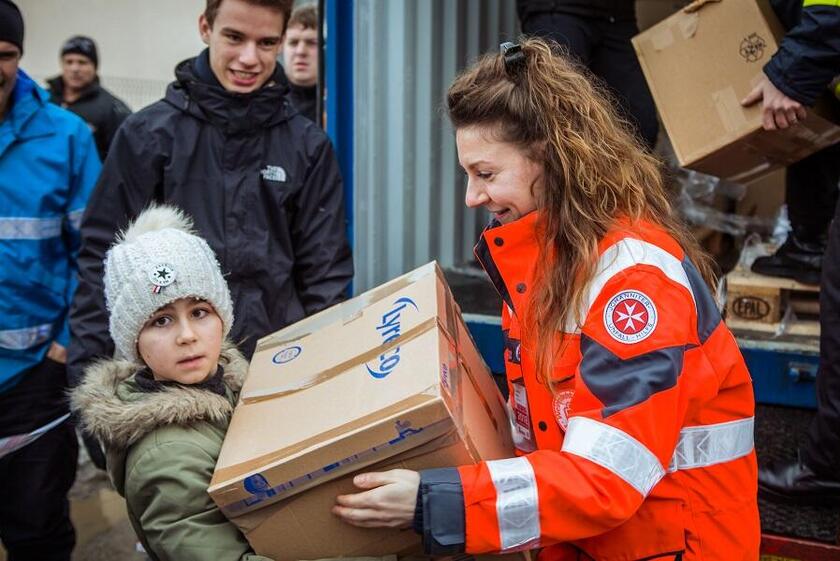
(794, 78)
(300, 59)
(598, 33)
(48, 168)
(805, 64)
(77, 89)
(261, 182)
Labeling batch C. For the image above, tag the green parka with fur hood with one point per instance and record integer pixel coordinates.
(162, 447)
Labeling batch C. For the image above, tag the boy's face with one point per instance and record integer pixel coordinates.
(300, 55)
(244, 41)
(182, 341)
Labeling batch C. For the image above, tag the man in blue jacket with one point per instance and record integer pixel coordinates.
(805, 64)
(48, 167)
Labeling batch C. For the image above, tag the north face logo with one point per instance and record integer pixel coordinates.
(273, 173)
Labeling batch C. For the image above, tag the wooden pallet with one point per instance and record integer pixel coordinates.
(760, 303)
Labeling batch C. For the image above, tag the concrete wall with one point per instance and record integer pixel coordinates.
(139, 42)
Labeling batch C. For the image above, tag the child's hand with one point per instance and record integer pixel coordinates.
(389, 503)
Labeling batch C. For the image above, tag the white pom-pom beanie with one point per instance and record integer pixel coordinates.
(159, 259)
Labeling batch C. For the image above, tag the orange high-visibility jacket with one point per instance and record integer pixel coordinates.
(644, 450)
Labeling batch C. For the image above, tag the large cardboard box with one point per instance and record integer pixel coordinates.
(699, 66)
(388, 379)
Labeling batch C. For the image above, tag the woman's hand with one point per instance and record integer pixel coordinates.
(389, 502)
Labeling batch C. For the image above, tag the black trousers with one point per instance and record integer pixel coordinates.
(34, 481)
(822, 451)
(811, 192)
(604, 47)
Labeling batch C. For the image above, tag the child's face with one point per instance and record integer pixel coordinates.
(182, 341)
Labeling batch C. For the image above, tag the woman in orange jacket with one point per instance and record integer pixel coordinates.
(631, 406)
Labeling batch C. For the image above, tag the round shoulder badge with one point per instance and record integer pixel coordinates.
(630, 317)
(560, 406)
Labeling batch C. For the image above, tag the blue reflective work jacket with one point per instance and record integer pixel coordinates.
(48, 168)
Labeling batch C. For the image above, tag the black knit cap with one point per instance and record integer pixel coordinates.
(11, 24)
(81, 45)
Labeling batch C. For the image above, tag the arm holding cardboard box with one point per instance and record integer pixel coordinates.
(389, 500)
(778, 110)
(806, 62)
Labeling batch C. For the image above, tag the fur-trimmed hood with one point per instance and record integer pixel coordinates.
(112, 408)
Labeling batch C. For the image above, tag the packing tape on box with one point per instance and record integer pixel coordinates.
(662, 39)
(666, 33)
(752, 173)
(264, 494)
(696, 5)
(729, 110)
(688, 25)
(350, 310)
(272, 392)
(229, 475)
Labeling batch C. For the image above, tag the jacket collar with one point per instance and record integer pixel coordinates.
(57, 90)
(231, 112)
(117, 411)
(20, 123)
(508, 252)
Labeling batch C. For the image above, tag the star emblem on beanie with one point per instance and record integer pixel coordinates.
(161, 276)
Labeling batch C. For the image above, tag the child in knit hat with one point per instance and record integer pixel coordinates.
(162, 406)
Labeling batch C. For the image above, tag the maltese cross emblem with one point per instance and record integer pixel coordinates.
(630, 317)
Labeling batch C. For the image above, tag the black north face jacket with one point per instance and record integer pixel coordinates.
(260, 181)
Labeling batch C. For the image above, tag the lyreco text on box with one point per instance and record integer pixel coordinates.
(388, 379)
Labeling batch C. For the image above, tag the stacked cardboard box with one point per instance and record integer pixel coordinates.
(700, 65)
(388, 379)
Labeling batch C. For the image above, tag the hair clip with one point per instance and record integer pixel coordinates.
(514, 59)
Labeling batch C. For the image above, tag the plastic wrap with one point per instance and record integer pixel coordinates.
(700, 196)
(696, 203)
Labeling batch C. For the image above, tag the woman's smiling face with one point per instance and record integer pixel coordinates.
(500, 176)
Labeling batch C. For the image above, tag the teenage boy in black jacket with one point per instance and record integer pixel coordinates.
(260, 180)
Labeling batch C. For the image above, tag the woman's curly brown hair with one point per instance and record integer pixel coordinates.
(595, 172)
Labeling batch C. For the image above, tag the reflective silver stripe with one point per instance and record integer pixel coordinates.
(28, 337)
(707, 445)
(517, 503)
(75, 218)
(624, 254)
(29, 228)
(615, 450)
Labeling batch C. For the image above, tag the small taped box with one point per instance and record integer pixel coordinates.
(700, 65)
(388, 379)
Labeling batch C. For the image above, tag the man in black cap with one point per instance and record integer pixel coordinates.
(78, 89)
(48, 168)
